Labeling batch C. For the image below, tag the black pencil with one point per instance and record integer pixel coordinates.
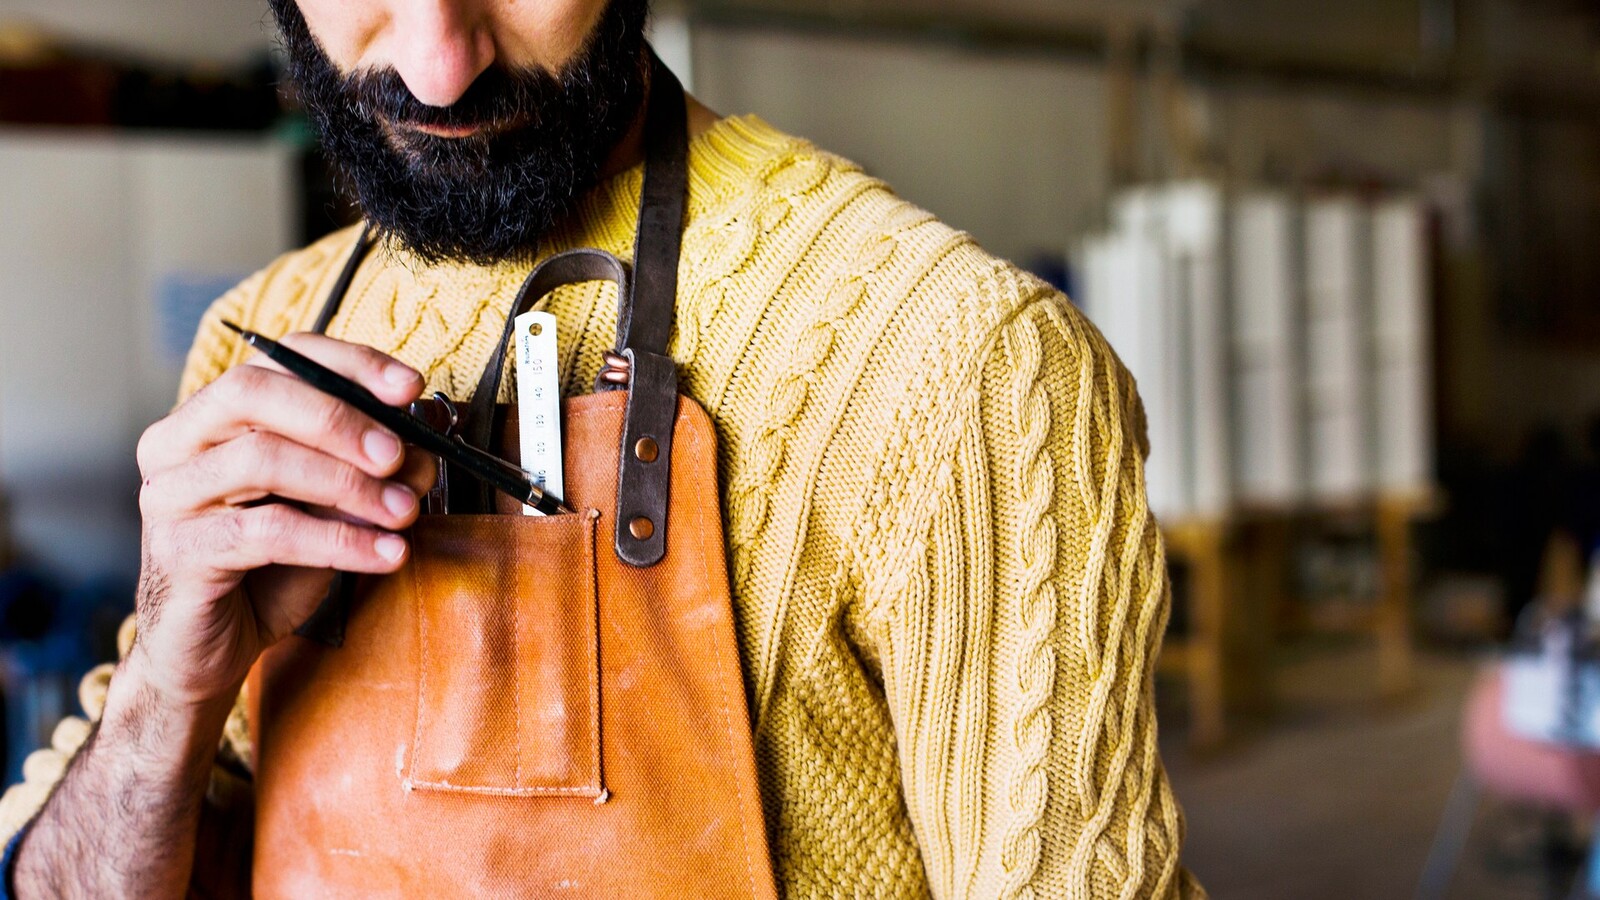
(496, 472)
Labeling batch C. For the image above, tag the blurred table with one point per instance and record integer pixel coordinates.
(1239, 595)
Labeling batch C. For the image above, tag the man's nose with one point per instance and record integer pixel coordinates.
(441, 47)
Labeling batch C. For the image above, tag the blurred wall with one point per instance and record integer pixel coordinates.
(1015, 147)
(1281, 134)
(110, 248)
(186, 30)
(1010, 147)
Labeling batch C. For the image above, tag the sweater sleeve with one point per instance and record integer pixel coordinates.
(1018, 664)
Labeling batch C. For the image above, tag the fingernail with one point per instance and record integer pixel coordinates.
(398, 374)
(398, 500)
(381, 446)
(390, 547)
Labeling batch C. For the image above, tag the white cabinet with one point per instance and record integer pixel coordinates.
(1267, 355)
(1402, 346)
(1339, 392)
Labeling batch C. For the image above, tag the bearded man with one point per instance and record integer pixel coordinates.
(948, 588)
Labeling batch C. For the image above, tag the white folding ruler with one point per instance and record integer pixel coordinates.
(539, 402)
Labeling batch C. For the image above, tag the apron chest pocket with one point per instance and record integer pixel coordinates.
(508, 684)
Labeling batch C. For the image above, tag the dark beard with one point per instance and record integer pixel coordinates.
(493, 195)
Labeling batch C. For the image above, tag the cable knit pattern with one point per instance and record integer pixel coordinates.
(948, 589)
(1036, 660)
(750, 493)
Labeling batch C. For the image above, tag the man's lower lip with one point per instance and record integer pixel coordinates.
(447, 131)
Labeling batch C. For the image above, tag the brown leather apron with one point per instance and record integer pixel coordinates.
(534, 706)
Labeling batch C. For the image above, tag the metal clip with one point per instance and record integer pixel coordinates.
(437, 500)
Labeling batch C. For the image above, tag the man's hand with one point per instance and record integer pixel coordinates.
(226, 575)
(255, 491)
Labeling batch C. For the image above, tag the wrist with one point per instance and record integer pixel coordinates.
(141, 710)
(122, 822)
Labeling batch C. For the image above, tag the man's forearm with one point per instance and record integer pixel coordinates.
(122, 822)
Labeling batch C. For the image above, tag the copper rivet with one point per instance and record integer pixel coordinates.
(647, 450)
(641, 529)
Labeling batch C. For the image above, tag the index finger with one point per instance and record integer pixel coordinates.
(257, 398)
(261, 394)
(394, 382)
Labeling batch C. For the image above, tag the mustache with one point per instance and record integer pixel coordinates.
(497, 98)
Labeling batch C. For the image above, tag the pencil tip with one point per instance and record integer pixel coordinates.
(232, 327)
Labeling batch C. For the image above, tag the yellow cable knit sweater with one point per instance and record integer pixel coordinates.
(949, 589)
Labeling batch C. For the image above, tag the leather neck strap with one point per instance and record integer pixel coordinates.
(646, 304)
(341, 287)
(645, 318)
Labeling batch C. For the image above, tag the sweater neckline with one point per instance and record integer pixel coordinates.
(734, 143)
(718, 156)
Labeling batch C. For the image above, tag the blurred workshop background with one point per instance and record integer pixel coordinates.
(1350, 250)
